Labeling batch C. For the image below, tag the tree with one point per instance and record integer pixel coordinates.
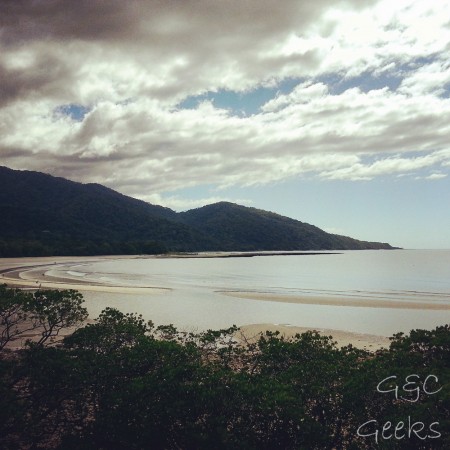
(112, 331)
(123, 383)
(12, 314)
(44, 311)
(52, 311)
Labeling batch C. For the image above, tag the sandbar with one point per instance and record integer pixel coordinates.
(363, 302)
(82, 287)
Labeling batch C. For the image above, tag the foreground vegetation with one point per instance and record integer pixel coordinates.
(122, 383)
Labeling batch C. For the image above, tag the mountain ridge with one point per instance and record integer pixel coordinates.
(46, 215)
(297, 235)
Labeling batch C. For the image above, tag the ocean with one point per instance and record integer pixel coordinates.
(202, 291)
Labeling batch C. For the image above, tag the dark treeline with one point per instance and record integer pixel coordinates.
(122, 383)
(46, 216)
(68, 247)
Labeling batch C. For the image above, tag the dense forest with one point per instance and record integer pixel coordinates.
(124, 383)
(43, 215)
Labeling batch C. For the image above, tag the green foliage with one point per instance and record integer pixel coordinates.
(122, 383)
(237, 227)
(44, 311)
(66, 245)
(53, 311)
(407, 384)
(13, 314)
(112, 331)
(43, 215)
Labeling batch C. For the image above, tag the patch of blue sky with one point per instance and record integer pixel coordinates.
(337, 84)
(373, 158)
(420, 62)
(241, 104)
(331, 205)
(197, 192)
(445, 93)
(368, 81)
(75, 112)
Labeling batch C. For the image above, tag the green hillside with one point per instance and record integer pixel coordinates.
(41, 214)
(45, 215)
(241, 228)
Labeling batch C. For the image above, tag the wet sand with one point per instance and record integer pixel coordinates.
(30, 273)
(363, 341)
(19, 283)
(367, 302)
(12, 273)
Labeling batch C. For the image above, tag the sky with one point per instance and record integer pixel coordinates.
(335, 113)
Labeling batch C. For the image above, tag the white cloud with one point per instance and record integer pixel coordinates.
(433, 176)
(433, 78)
(133, 62)
(388, 166)
(303, 93)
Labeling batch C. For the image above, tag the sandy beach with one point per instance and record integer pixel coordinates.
(367, 302)
(33, 273)
(250, 333)
(342, 338)
(25, 273)
(19, 283)
(12, 273)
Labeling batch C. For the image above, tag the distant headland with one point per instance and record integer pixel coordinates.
(44, 215)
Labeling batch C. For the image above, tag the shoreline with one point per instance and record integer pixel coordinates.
(248, 334)
(38, 284)
(342, 338)
(11, 276)
(35, 273)
(25, 284)
(249, 254)
(12, 272)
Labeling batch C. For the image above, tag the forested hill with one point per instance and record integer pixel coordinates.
(41, 214)
(45, 215)
(244, 228)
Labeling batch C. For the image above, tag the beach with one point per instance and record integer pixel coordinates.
(12, 273)
(371, 342)
(358, 301)
(13, 270)
(256, 294)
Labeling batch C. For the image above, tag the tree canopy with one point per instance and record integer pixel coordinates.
(124, 383)
(44, 215)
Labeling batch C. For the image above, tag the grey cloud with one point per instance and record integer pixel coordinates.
(96, 20)
(99, 19)
(24, 20)
(193, 28)
(184, 148)
(45, 77)
(133, 61)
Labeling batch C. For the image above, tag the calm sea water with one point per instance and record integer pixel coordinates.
(196, 300)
